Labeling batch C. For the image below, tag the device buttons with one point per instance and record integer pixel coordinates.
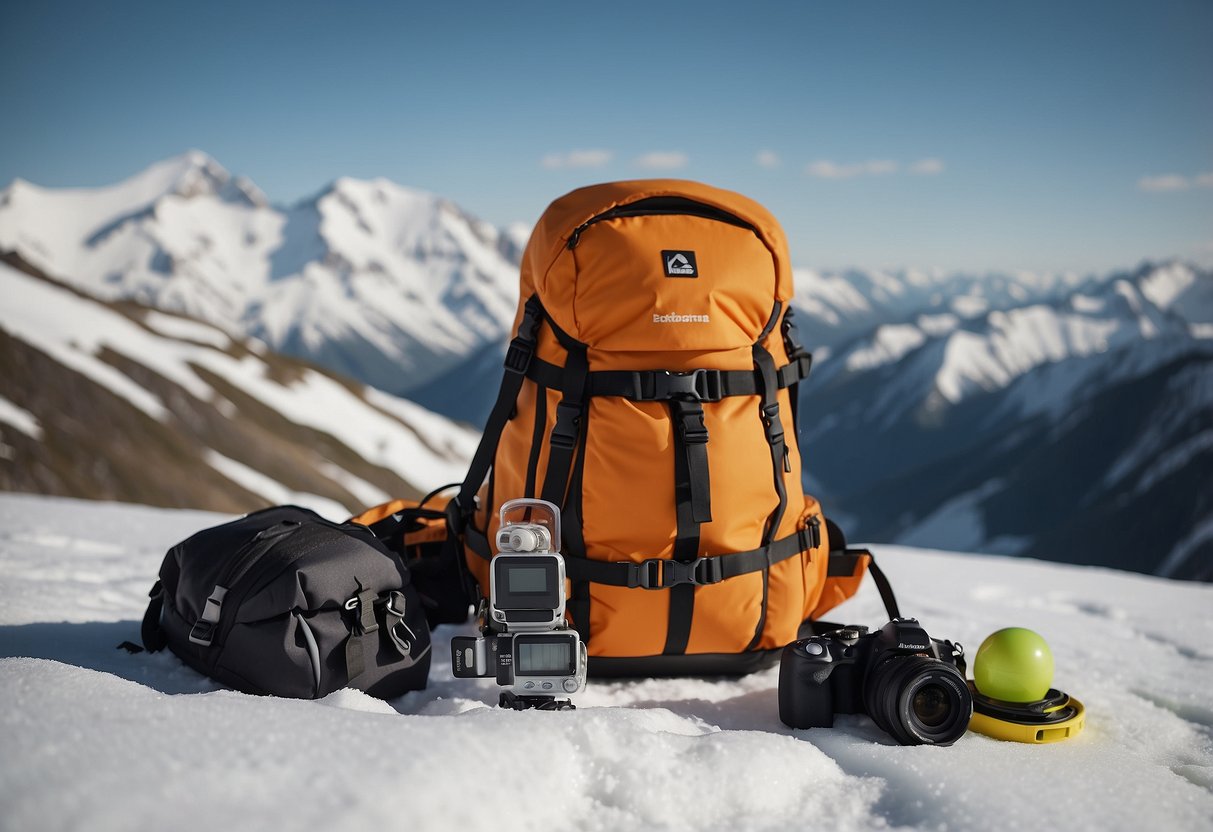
(570, 685)
(814, 648)
(529, 685)
(547, 685)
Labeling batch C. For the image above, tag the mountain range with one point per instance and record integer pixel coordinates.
(312, 280)
(1061, 416)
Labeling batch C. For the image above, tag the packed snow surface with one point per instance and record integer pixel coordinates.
(97, 739)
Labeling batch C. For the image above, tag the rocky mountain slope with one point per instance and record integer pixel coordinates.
(114, 400)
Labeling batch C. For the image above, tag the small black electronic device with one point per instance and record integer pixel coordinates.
(911, 685)
(524, 641)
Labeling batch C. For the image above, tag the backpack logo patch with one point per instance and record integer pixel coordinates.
(679, 263)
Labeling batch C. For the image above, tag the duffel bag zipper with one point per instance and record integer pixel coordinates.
(252, 580)
(203, 631)
(661, 205)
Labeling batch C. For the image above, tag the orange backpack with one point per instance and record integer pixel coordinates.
(650, 391)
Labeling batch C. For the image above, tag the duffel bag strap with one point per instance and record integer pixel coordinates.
(360, 641)
(363, 641)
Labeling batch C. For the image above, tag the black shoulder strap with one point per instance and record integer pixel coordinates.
(884, 587)
(517, 360)
(844, 562)
(797, 368)
(567, 431)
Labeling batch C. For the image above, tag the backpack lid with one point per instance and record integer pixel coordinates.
(545, 273)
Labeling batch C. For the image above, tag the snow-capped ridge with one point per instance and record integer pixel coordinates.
(383, 282)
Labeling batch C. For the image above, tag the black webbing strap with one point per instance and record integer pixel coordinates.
(764, 371)
(518, 359)
(662, 573)
(566, 432)
(541, 421)
(392, 528)
(360, 641)
(477, 542)
(692, 502)
(151, 632)
(691, 441)
(571, 530)
(663, 385)
(843, 563)
(768, 404)
(800, 362)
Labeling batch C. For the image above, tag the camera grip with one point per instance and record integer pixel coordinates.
(805, 697)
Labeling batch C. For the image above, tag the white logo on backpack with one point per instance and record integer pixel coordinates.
(675, 318)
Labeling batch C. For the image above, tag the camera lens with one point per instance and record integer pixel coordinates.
(919, 700)
(931, 705)
(523, 540)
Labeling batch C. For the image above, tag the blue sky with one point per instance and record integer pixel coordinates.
(953, 134)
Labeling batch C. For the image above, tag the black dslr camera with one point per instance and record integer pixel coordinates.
(911, 685)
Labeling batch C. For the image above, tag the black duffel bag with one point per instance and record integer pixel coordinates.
(284, 602)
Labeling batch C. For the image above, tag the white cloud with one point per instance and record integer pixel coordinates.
(1204, 180)
(1164, 182)
(577, 159)
(927, 167)
(825, 169)
(767, 159)
(663, 160)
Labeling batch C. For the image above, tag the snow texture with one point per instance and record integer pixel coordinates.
(97, 739)
(20, 418)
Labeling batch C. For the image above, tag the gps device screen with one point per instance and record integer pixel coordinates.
(543, 658)
(528, 579)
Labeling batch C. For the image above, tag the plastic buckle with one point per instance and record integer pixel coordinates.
(564, 432)
(696, 385)
(658, 573)
(646, 574)
(770, 418)
(693, 385)
(518, 355)
(692, 428)
(203, 631)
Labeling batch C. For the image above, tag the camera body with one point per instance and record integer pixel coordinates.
(529, 664)
(524, 641)
(910, 684)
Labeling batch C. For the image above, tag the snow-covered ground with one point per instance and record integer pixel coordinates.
(93, 738)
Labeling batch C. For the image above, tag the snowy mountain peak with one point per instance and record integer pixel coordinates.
(382, 282)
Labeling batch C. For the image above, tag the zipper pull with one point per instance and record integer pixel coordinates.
(787, 462)
(574, 237)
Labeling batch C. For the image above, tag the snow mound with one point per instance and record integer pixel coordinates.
(99, 739)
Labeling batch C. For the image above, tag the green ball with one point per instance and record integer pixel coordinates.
(1014, 665)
